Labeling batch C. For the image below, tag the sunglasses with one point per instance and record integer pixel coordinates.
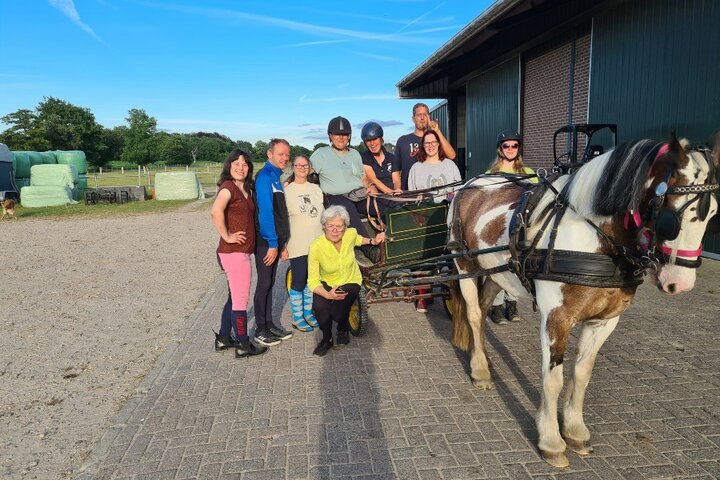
(510, 146)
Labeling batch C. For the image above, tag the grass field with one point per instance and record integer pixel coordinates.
(208, 175)
(100, 209)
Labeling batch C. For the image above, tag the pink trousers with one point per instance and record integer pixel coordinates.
(238, 269)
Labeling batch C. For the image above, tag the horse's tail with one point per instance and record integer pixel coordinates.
(461, 333)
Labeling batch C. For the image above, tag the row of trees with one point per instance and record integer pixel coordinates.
(58, 125)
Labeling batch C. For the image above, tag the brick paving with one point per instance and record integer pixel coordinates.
(398, 403)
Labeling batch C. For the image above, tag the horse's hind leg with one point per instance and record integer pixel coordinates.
(593, 335)
(477, 306)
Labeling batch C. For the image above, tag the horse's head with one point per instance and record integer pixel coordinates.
(681, 203)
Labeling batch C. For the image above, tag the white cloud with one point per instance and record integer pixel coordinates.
(67, 8)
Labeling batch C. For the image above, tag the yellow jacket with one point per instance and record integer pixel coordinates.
(326, 264)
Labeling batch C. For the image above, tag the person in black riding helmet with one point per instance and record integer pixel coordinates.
(381, 167)
(508, 160)
(341, 172)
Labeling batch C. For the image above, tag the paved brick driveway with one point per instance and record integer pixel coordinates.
(398, 403)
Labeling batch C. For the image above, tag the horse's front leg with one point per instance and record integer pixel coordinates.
(554, 331)
(477, 307)
(592, 337)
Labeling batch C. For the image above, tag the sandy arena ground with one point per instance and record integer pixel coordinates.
(88, 306)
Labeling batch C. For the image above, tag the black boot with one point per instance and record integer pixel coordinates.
(248, 349)
(497, 314)
(511, 311)
(223, 343)
(323, 347)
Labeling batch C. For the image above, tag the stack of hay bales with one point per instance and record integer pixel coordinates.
(50, 178)
(78, 160)
(50, 185)
(178, 186)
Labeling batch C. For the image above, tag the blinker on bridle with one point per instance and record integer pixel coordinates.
(667, 222)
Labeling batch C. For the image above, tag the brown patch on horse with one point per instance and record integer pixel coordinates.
(581, 303)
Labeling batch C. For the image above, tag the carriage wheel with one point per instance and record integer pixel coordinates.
(358, 318)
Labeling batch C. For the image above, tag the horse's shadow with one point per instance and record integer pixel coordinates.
(507, 394)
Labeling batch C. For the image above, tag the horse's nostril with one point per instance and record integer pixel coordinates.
(671, 288)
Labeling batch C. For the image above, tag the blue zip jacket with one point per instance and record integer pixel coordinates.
(274, 225)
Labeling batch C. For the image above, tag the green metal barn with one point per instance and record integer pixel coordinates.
(649, 66)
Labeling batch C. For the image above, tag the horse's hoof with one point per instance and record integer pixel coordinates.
(482, 384)
(557, 459)
(581, 448)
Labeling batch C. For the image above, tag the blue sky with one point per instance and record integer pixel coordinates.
(249, 70)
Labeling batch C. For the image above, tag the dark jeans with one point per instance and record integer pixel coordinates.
(326, 311)
(262, 301)
(299, 266)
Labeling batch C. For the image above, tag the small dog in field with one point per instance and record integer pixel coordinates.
(8, 206)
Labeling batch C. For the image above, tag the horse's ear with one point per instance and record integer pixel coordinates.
(676, 147)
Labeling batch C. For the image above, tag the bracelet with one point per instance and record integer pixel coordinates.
(371, 242)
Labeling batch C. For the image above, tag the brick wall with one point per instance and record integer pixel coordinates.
(546, 96)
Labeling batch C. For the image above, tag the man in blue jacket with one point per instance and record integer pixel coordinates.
(273, 233)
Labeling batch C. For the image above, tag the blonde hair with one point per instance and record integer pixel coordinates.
(518, 165)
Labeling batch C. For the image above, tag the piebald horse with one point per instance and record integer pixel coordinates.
(651, 200)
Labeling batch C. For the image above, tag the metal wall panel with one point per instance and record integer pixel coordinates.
(655, 68)
(492, 106)
(440, 113)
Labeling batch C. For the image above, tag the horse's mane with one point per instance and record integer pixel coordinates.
(612, 183)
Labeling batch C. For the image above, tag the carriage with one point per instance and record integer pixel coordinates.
(414, 261)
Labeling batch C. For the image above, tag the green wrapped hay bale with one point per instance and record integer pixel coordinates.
(45, 196)
(21, 164)
(82, 182)
(177, 186)
(49, 158)
(53, 176)
(73, 157)
(36, 158)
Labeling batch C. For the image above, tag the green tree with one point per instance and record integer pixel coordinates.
(259, 151)
(114, 140)
(69, 127)
(174, 150)
(140, 145)
(296, 150)
(24, 131)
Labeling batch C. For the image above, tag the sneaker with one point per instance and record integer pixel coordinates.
(280, 332)
(343, 338)
(421, 305)
(266, 338)
(248, 349)
(497, 314)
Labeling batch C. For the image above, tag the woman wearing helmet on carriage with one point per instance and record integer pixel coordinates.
(381, 167)
(508, 160)
(341, 172)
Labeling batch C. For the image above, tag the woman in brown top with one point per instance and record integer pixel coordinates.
(233, 215)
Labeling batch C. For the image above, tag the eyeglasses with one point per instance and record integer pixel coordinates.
(431, 143)
(335, 228)
(510, 146)
(302, 166)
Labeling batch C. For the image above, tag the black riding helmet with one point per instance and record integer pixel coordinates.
(370, 131)
(339, 126)
(506, 135)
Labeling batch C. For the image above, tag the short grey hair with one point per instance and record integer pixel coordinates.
(335, 211)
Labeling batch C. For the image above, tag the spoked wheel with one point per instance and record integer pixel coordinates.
(358, 318)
